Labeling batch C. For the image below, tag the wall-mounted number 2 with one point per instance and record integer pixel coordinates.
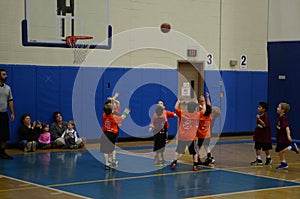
(243, 61)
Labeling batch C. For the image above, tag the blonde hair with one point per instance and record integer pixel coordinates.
(71, 122)
(285, 106)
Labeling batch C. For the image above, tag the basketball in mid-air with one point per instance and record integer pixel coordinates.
(165, 27)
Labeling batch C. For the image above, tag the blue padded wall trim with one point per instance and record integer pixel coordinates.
(41, 90)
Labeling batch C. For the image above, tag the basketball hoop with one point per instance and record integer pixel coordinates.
(79, 46)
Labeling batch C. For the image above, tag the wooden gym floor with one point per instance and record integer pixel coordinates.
(61, 173)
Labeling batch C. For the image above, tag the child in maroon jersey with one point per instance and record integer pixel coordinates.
(283, 136)
(160, 134)
(262, 135)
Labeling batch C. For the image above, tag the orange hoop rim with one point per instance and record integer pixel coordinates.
(71, 40)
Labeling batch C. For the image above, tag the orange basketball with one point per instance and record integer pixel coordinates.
(165, 27)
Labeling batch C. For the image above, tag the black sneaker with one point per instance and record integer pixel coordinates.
(173, 165)
(257, 162)
(268, 161)
(209, 161)
(5, 156)
(199, 163)
(107, 167)
(295, 148)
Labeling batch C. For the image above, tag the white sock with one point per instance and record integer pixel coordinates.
(258, 157)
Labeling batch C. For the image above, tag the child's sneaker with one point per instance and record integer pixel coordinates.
(156, 163)
(28, 147)
(268, 161)
(161, 163)
(208, 161)
(295, 148)
(199, 163)
(283, 165)
(173, 165)
(257, 162)
(114, 163)
(106, 167)
(196, 168)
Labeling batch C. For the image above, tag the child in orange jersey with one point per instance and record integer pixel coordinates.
(188, 123)
(110, 128)
(204, 132)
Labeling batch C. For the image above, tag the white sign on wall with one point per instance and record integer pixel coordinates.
(186, 89)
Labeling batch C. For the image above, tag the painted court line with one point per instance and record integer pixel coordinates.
(126, 178)
(36, 186)
(241, 192)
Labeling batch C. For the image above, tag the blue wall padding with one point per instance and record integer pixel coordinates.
(87, 101)
(230, 82)
(79, 93)
(243, 90)
(283, 60)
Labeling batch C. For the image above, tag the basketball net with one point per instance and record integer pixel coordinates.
(80, 46)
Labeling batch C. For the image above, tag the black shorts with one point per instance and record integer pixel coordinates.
(4, 127)
(280, 147)
(263, 146)
(181, 146)
(107, 142)
(159, 142)
(205, 141)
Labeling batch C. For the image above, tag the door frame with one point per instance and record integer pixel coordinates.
(199, 66)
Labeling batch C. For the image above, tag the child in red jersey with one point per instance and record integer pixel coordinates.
(262, 135)
(110, 128)
(160, 126)
(204, 131)
(188, 124)
(283, 135)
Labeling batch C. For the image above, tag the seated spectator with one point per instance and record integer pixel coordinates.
(45, 137)
(28, 133)
(69, 138)
(57, 128)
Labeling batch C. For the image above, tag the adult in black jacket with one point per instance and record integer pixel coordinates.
(28, 133)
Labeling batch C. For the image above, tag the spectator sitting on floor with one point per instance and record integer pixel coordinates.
(28, 133)
(57, 128)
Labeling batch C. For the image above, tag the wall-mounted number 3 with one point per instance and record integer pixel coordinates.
(209, 60)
